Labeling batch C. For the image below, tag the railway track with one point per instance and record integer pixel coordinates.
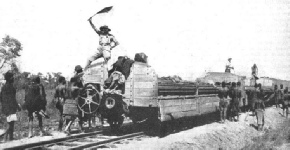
(81, 141)
(89, 140)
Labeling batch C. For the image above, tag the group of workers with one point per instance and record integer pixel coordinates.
(233, 98)
(35, 101)
(235, 93)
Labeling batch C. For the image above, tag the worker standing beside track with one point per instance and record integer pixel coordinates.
(280, 94)
(235, 95)
(59, 98)
(286, 102)
(223, 104)
(259, 107)
(242, 100)
(9, 105)
(254, 97)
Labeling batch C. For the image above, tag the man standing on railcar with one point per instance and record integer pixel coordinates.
(229, 66)
(107, 43)
(255, 72)
(223, 104)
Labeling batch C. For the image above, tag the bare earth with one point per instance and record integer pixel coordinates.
(231, 135)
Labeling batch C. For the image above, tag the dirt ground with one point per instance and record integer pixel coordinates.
(230, 135)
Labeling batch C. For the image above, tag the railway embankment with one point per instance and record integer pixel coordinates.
(230, 135)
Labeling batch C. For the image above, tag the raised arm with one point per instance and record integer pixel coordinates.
(93, 26)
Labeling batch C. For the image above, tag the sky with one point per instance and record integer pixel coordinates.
(180, 37)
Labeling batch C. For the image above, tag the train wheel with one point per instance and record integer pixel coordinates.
(89, 99)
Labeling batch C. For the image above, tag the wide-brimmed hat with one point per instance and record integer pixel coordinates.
(105, 28)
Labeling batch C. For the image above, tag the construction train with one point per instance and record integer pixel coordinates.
(147, 97)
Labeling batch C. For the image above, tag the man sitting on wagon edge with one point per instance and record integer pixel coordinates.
(107, 43)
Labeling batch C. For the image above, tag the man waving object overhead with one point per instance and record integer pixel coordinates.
(106, 43)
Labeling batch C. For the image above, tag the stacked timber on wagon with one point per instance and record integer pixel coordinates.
(166, 87)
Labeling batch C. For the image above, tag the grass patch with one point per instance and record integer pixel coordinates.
(21, 126)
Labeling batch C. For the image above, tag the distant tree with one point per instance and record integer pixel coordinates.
(9, 49)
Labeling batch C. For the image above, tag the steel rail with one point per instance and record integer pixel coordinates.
(41, 143)
(99, 143)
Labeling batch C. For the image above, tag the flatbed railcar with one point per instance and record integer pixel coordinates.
(151, 98)
(148, 97)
